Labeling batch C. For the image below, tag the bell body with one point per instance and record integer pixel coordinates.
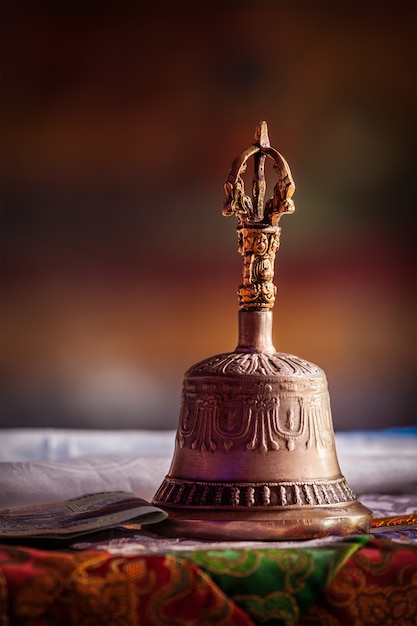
(255, 455)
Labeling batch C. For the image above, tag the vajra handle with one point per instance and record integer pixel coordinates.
(258, 230)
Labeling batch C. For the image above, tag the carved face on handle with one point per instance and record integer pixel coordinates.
(262, 269)
(260, 243)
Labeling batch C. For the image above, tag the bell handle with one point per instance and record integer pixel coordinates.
(258, 230)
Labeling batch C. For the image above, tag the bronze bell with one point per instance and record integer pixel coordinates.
(255, 455)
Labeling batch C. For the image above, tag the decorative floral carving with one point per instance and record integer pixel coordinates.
(256, 363)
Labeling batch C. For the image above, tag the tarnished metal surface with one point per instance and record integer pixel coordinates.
(255, 454)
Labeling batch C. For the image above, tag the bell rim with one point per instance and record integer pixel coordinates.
(299, 523)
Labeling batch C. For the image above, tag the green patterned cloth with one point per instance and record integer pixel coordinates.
(276, 587)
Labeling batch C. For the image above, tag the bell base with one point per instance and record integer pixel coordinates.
(299, 523)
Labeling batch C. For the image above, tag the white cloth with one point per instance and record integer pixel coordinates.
(49, 444)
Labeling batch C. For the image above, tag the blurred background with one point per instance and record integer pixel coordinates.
(119, 123)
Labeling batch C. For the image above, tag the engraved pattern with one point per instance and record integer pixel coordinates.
(258, 414)
(232, 495)
(255, 364)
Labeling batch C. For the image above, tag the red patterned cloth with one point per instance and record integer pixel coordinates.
(376, 587)
(93, 588)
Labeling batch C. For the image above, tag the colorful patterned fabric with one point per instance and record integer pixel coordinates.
(376, 587)
(357, 582)
(94, 588)
(274, 586)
